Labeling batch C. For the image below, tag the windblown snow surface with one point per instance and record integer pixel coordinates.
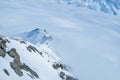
(87, 41)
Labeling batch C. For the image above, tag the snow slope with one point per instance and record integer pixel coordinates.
(21, 60)
(86, 40)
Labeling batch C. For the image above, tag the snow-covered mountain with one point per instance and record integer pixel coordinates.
(107, 6)
(21, 60)
(88, 41)
(36, 36)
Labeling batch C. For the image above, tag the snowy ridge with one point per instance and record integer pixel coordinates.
(21, 60)
(106, 6)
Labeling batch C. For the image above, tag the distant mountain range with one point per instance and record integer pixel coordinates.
(106, 6)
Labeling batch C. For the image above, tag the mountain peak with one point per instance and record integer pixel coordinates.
(36, 36)
(36, 30)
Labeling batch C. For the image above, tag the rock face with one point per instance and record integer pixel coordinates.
(5, 70)
(2, 47)
(16, 62)
(59, 65)
(66, 77)
(27, 68)
(63, 75)
(32, 48)
(18, 66)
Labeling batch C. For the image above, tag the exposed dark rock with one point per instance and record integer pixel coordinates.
(6, 72)
(48, 60)
(22, 42)
(27, 68)
(2, 47)
(7, 40)
(15, 39)
(31, 76)
(69, 77)
(17, 66)
(32, 48)
(13, 53)
(59, 65)
(16, 62)
(62, 75)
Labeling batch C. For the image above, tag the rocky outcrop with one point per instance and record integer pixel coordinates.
(27, 68)
(2, 47)
(32, 48)
(20, 40)
(16, 62)
(17, 66)
(63, 76)
(70, 78)
(6, 72)
(57, 65)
